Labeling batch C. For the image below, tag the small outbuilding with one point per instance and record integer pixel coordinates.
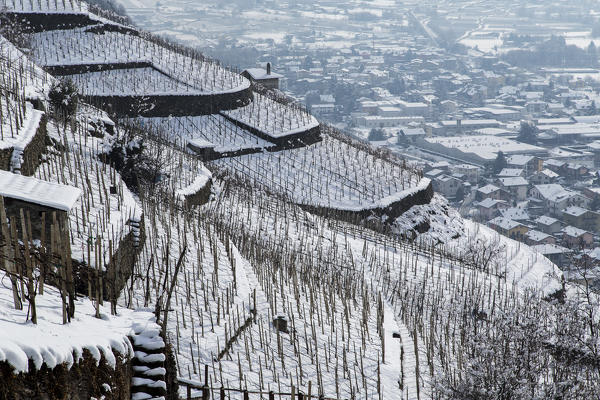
(36, 197)
(265, 77)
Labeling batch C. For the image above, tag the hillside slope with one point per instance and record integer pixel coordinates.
(317, 264)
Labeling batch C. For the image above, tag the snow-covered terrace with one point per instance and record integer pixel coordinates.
(80, 47)
(216, 132)
(329, 174)
(274, 119)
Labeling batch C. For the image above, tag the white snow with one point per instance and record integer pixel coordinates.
(272, 118)
(77, 46)
(33, 190)
(329, 174)
(53, 343)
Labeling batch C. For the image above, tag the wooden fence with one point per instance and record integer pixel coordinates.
(223, 391)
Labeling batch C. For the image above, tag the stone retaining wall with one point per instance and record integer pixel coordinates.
(5, 156)
(84, 380)
(119, 269)
(40, 22)
(300, 139)
(32, 154)
(180, 105)
(76, 69)
(392, 211)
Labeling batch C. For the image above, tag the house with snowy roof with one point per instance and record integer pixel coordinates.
(38, 199)
(556, 198)
(543, 177)
(516, 214)
(529, 164)
(575, 238)
(548, 224)
(534, 238)
(555, 165)
(557, 254)
(581, 218)
(265, 77)
(517, 186)
(470, 171)
(508, 227)
(492, 192)
(490, 208)
(509, 172)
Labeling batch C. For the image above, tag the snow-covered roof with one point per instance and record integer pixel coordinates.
(515, 213)
(553, 192)
(549, 173)
(489, 202)
(434, 172)
(554, 163)
(261, 74)
(593, 253)
(514, 181)
(487, 189)
(508, 172)
(484, 146)
(574, 211)
(33, 190)
(546, 220)
(573, 231)
(504, 223)
(550, 249)
(537, 236)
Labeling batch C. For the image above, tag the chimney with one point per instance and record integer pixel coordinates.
(268, 68)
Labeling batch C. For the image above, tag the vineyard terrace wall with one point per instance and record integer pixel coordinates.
(119, 269)
(300, 139)
(84, 380)
(5, 156)
(391, 211)
(152, 106)
(40, 22)
(32, 153)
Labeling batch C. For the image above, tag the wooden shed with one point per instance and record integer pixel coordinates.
(36, 197)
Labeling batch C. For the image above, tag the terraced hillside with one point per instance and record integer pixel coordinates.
(254, 271)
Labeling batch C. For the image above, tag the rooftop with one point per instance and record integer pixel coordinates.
(485, 146)
(37, 191)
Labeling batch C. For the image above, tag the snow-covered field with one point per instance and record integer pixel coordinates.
(130, 82)
(272, 118)
(45, 6)
(330, 173)
(53, 343)
(78, 46)
(212, 129)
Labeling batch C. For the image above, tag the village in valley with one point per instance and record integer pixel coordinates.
(498, 102)
(252, 199)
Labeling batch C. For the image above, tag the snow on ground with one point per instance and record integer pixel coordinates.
(333, 315)
(273, 118)
(131, 82)
(46, 7)
(53, 343)
(330, 173)
(106, 205)
(77, 46)
(213, 129)
(13, 132)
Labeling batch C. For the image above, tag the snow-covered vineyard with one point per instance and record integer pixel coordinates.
(206, 131)
(274, 119)
(132, 264)
(330, 174)
(80, 47)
